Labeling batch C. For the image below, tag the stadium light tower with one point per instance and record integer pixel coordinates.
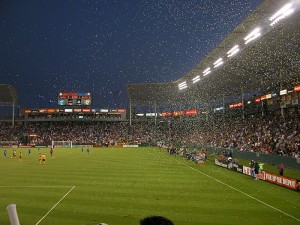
(252, 35)
(219, 62)
(196, 79)
(207, 71)
(182, 85)
(285, 11)
(233, 51)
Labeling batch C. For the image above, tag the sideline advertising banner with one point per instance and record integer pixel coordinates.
(287, 182)
(281, 180)
(247, 171)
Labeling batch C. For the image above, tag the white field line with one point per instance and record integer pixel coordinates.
(11, 186)
(72, 187)
(272, 207)
(55, 205)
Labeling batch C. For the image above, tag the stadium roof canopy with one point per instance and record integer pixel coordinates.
(8, 94)
(267, 63)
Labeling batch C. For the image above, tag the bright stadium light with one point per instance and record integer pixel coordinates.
(207, 71)
(253, 35)
(281, 14)
(233, 51)
(182, 85)
(218, 62)
(196, 79)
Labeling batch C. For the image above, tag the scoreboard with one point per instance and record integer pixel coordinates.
(74, 98)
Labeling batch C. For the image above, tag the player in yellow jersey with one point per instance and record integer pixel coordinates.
(40, 158)
(20, 156)
(44, 158)
(14, 154)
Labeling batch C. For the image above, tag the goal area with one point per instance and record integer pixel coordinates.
(62, 144)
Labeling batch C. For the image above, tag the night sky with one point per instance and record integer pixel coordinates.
(100, 46)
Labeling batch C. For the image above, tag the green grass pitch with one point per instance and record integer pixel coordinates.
(119, 186)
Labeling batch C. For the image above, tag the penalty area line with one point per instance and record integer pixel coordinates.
(55, 205)
(264, 203)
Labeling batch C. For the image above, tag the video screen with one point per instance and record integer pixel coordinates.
(74, 98)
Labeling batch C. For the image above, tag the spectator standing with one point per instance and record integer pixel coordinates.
(261, 166)
(252, 168)
(281, 169)
(256, 170)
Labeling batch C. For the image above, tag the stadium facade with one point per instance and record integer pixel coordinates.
(255, 68)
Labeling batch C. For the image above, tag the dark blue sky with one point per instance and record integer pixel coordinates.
(100, 46)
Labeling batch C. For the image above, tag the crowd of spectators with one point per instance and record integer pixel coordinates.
(268, 135)
(110, 133)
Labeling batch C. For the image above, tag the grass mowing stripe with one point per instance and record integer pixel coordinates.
(55, 205)
(215, 179)
(122, 185)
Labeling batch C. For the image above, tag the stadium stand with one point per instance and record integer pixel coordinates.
(267, 64)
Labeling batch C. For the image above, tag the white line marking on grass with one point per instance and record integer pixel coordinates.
(35, 186)
(239, 191)
(55, 205)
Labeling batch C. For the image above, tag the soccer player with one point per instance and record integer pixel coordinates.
(44, 158)
(29, 151)
(20, 156)
(88, 151)
(5, 152)
(51, 151)
(14, 154)
(40, 158)
(82, 150)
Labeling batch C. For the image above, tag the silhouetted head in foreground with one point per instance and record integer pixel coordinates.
(156, 220)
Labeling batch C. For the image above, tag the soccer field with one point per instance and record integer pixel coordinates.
(119, 186)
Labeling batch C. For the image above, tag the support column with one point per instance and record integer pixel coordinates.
(180, 110)
(262, 109)
(155, 113)
(280, 87)
(223, 106)
(13, 114)
(130, 111)
(207, 112)
(243, 104)
(262, 104)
